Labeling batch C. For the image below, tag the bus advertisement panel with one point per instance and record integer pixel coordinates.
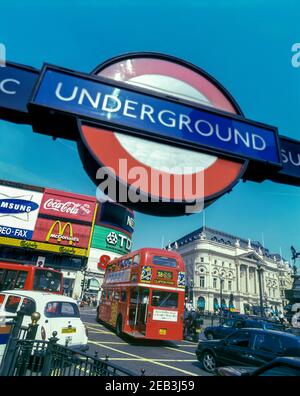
(143, 295)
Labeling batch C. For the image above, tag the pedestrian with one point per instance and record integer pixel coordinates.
(88, 301)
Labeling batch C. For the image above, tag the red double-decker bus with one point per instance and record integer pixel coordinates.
(30, 277)
(143, 295)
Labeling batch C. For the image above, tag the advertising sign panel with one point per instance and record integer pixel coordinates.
(110, 239)
(98, 259)
(168, 316)
(70, 250)
(62, 233)
(115, 216)
(18, 212)
(60, 204)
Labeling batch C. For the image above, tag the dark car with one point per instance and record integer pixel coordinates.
(247, 347)
(229, 326)
(285, 366)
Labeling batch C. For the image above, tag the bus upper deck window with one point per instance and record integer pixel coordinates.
(165, 261)
(136, 260)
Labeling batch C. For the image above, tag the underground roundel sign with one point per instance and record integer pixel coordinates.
(163, 178)
(155, 133)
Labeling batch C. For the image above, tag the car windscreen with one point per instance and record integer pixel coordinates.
(61, 309)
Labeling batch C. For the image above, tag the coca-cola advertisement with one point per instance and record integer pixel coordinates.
(60, 204)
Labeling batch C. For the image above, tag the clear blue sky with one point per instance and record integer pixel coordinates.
(246, 45)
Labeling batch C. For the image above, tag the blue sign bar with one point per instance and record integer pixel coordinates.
(120, 108)
(290, 154)
(16, 85)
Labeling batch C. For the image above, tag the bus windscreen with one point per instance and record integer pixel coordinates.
(45, 280)
(164, 299)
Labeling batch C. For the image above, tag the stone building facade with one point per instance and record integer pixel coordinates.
(223, 266)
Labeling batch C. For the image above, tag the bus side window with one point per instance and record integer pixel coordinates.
(123, 296)
(109, 295)
(116, 296)
(104, 295)
(136, 260)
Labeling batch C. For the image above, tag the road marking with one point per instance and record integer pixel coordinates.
(141, 358)
(100, 331)
(113, 342)
(179, 350)
(157, 360)
(187, 346)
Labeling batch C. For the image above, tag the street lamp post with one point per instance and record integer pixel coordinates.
(221, 289)
(191, 290)
(259, 270)
(83, 284)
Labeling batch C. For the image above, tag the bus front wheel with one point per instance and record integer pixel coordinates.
(119, 326)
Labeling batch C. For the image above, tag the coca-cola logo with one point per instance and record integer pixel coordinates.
(68, 207)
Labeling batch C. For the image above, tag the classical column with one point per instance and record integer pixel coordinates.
(238, 278)
(255, 280)
(247, 279)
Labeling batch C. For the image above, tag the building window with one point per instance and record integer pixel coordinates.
(214, 283)
(202, 281)
(223, 263)
(202, 259)
(216, 262)
(229, 285)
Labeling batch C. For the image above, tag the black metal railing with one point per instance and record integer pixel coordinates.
(25, 356)
(47, 358)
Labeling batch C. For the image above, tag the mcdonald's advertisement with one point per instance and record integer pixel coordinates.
(62, 233)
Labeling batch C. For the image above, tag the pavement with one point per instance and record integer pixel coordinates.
(157, 358)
